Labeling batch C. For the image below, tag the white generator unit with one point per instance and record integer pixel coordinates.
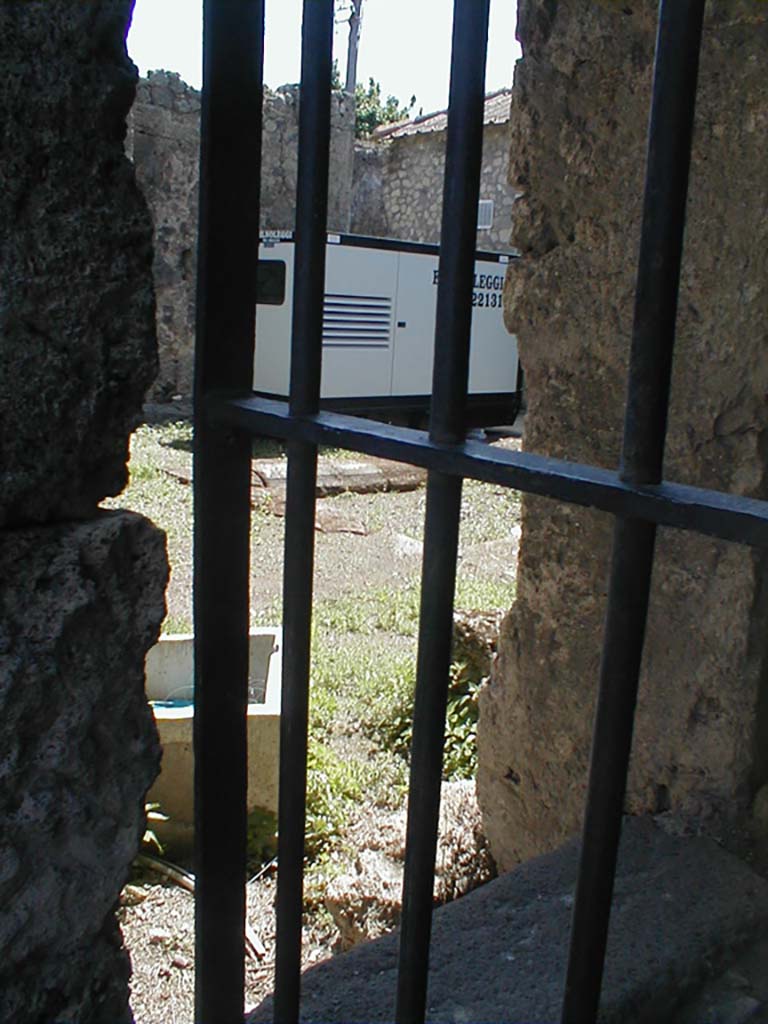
(379, 329)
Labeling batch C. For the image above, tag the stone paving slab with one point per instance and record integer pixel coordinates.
(335, 476)
(683, 909)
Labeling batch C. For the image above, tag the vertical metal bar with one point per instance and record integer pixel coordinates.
(306, 357)
(449, 390)
(227, 255)
(458, 229)
(669, 147)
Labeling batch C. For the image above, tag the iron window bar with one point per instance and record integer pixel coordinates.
(453, 321)
(306, 355)
(228, 415)
(650, 369)
(231, 115)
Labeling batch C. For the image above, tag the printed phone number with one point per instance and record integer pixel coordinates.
(493, 300)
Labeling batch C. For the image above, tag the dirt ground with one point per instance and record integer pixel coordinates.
(158, 925)
(366, 543)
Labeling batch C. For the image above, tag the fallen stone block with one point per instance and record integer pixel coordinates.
(682, 909)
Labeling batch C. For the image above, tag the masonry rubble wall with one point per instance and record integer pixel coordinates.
(397, 188)
(81, 597)
(164, 143)
(579, 113)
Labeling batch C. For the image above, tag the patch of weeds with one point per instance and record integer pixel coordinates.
(179, 435)
(389, 723)
(397, 611)
(269, 614)
(338, 785)
(483, 593)
(268, 448)
(176, 624)
(343, 665)
(487, 512)
(389, 611)
(353, 681)
(261, 838)
(342, 615)
(142, 472)
(460, 751)
(330, 452)
(333, 787)
(323, 711)
(399, 614)
(262, 504)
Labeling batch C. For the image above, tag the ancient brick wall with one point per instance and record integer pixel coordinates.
(81, 591)
(579, 117)
(398, 187)
(164, 143)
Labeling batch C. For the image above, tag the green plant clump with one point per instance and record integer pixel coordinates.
(390, 723)
(333, 786)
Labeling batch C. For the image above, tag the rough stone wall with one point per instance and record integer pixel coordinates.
(280, 159)
(579, 117)
(398, 187)
(74, 361)
(369, 214)
(164, 143)
(81, 591)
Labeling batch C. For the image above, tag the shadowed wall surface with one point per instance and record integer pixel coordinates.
(579, 116)
(81, 590)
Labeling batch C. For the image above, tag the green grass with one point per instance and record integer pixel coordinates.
(397, 611)
(364, 641)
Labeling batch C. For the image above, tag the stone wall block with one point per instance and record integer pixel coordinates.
(369, 215)
(398, 187)
(79, 751)
(579, 117)
(77, 348)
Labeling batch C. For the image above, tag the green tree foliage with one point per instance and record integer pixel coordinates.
(370, 109)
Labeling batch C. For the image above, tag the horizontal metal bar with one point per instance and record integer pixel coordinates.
(727, 516)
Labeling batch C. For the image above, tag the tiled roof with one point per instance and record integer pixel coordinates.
(496, 112)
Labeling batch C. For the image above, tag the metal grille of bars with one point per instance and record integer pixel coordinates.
(227, 415)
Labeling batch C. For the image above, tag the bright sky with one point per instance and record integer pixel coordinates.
(404, 44)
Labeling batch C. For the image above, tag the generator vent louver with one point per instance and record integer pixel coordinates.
(354, 320)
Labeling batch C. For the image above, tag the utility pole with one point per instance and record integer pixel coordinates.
(355, 17)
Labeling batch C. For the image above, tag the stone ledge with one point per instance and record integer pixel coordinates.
(683, 908)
